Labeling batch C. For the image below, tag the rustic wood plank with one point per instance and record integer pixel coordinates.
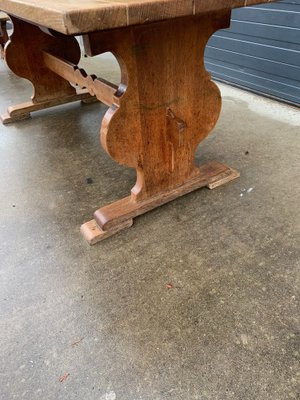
(215, 5)
(76, 17)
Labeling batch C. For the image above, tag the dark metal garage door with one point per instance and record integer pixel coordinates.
(260, 51)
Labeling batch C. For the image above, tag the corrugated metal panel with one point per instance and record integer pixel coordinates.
(260, 51)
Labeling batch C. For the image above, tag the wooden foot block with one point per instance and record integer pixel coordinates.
(94, 234)
(119, 215)
(22, 111)
(9, 118)
(222, 178)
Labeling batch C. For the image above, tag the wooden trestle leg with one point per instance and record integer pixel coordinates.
(165, 106)
(24, 57)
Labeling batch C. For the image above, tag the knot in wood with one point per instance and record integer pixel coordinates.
(181, 124)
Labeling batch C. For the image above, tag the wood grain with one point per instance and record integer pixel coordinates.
(168, 104)
(76, 17)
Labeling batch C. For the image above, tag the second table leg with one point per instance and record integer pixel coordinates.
(24, 57)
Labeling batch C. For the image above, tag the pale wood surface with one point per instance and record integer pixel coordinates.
(75, 17)
(3, 16)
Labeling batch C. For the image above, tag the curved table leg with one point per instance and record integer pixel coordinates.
(48, 88)
(165, 106)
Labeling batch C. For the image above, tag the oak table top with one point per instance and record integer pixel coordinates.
(75, 17)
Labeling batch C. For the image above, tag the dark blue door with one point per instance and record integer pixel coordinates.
(260, 51)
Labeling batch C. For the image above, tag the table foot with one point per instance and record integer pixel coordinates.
(94, 234)
(22, 111)
(119, 215)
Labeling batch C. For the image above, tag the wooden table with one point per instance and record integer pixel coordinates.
(165, 105)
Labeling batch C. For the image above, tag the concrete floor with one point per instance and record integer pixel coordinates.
(229, 327)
